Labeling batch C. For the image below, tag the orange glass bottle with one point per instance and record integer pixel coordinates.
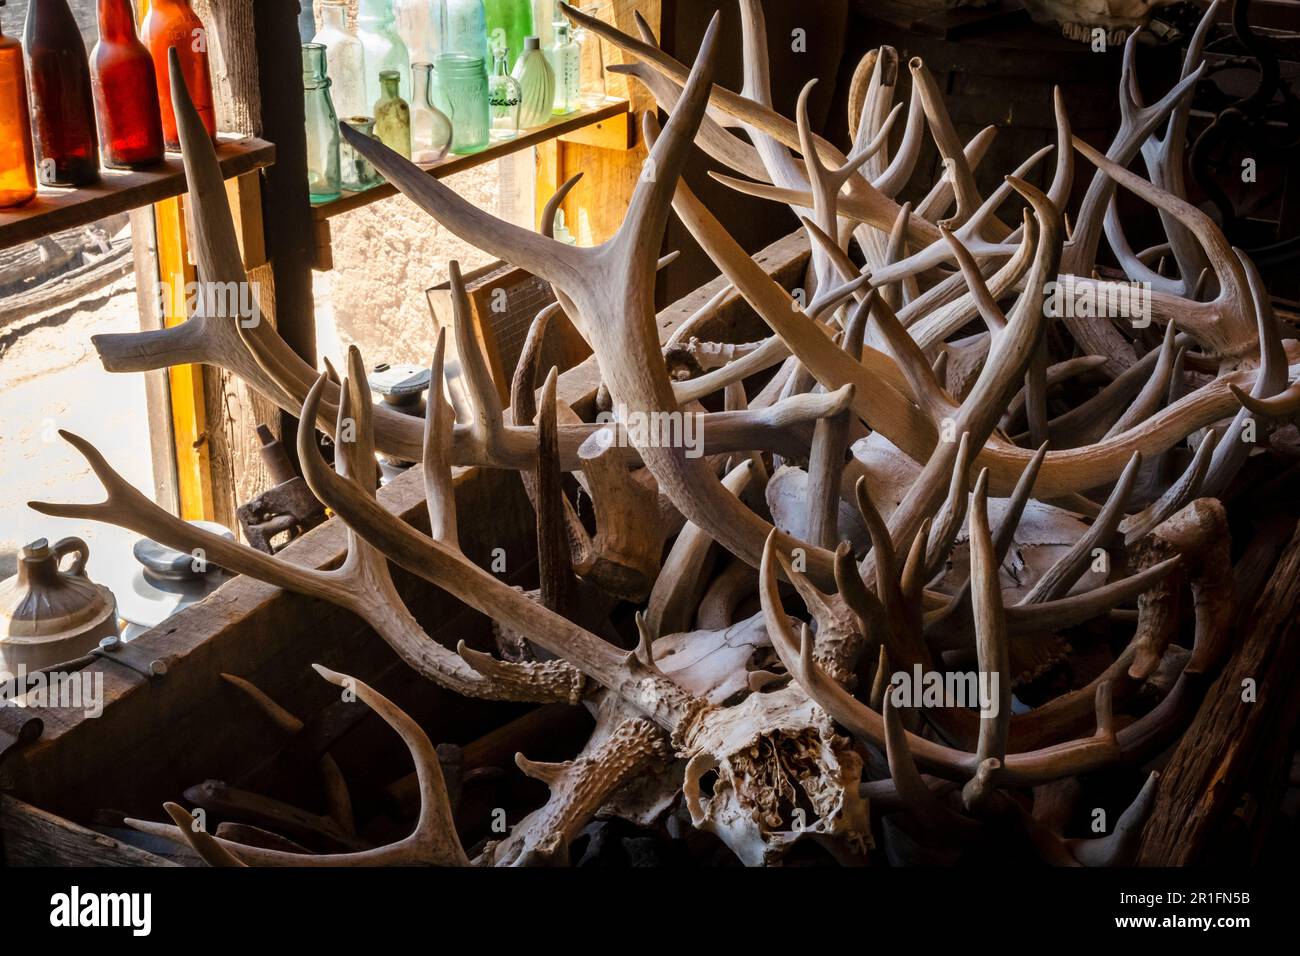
(173, 23)
(17, 164)
(63, 109)
(126, 95)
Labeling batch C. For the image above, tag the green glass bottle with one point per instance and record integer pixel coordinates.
(393, 115)
(323, 182)
(565, 57)
(463, 90)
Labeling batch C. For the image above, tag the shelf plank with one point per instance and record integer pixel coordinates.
(117, 191)
(558, 126)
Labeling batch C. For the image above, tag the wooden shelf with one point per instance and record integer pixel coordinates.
(117, 191)
(559, 126)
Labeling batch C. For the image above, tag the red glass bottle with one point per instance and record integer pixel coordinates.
(63, 110)
(172, 23)
(17, 164)
(126, 95)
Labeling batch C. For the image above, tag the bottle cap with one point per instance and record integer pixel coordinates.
(532, 43)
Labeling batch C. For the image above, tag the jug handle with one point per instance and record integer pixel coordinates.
(70, 545)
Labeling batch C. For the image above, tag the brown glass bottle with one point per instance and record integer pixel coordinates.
(17, 164)
(126, 95)
(63, 110)
(172, 23)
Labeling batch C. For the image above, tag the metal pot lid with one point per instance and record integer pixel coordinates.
(170, 564)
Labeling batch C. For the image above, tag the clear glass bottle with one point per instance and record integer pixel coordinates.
(536, 85)
(393, 115)
(466, 28)
(592, 82)
(417, 25)
(508, 22)
(565, 57)
(430, 128)
(62, 106)
(385, 50)
(345, 59)
(323, 179)
(355, 170)
(504, 98)
(17, 159)
(463, 87)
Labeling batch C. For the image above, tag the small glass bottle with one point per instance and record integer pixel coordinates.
(62, 106)
(393, 115)
(384, 48)
(430, 128)
(565, 57)
(463, 87)
(504, 98)
(323, 178)
(173, 23)
(466, 28)
(417, 25)
(536, 85)
(345, 59)
(17, 161)
(593, 89)
(508, 22)
(125, 90)
(354, 169)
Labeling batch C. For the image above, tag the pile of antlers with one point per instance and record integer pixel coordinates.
(906, 478)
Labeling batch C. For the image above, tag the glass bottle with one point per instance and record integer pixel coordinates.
(463, 86)
(384, 48)
(565, 57)
(17, 161)
(173, 23)
(125, 90)
(430, 128)
(354, 169)
(345, 59)
(536, 85)
(504, 97)
(323, 178)
(62, 106)
(593, 90)
(417, 25)
(466, 28)
(393, 115)
(508, 22)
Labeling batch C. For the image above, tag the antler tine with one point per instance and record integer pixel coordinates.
(1076, 608)
(939, 198)
(1120, 846)
(1060, 577)
(439, 421)
(929, 809)
(984, 302)
(208, 847)
(1187, 487)
(927, 391)
(487, 417)
(555, 572)
(949, 144)
(896, 292)
(944, 530)
(990, 626)
(900, 634)
(1155, 391)
(1063, 176)
(895, 176)
(357, 454)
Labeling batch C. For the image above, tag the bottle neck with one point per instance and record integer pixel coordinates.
(116, 20)
(334, 17)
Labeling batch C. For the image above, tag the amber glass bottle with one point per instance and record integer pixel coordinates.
(126, 95)
(17, 165)
(172, 23)
(63, 110)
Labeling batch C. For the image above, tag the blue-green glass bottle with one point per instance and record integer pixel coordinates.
(463, 95)
(322, 126)
(466, 28)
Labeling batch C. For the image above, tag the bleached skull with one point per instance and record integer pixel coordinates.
(1080, 18)
(771, 771)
